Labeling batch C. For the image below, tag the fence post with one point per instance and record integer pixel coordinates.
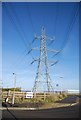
(44, 95)
(22, 98)
(34, 94)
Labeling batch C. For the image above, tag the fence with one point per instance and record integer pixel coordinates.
(22, 95)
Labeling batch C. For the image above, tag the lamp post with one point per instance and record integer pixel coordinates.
(13, 97)
(61, 84)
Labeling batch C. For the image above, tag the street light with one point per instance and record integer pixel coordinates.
(13, 97)
(57, 87)
(61, 83)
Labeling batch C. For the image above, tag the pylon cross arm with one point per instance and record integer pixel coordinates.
(36, 48)
(50, 39)
(52, 50)
(36, 37)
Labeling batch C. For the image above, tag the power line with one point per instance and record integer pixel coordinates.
(16, 26)
(55, 23)
(23, 32)
(19, 23)
(29, 13)
(20, 59)
(31, 22)
(56, 17)
(69, 28)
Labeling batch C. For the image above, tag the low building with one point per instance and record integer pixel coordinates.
(73, 91)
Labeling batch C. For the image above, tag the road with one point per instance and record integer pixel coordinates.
(62, 112)
(70, 99)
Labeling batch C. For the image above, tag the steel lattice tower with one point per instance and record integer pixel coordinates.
(43, 80)
(42, 75)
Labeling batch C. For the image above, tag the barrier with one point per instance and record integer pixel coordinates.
(43, 95)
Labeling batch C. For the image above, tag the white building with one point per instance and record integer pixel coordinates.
(73, 91)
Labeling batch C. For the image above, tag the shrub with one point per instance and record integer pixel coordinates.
(18, 100)
(60, 96)
(64, 94)
(52, 98)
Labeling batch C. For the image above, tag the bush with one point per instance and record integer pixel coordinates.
(52, 98)
(55, 97)
(64, 95)
(60, 96)
(18, 100)
(37, 100)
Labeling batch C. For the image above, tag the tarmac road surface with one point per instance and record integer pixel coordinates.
(61, 112)
(64, 112)
(70, 99)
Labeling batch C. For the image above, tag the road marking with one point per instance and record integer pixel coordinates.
(73, 104)
(18, 108)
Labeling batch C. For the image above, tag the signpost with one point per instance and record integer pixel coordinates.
(29, 95)
(13, 96)
(57, 87)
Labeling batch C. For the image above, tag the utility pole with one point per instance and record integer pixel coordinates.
(43, 80)
(61, 83)
(13, 97)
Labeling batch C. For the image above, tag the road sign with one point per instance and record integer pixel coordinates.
(29, 95)
(57, 85)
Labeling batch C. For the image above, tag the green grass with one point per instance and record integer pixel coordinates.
(49, 99)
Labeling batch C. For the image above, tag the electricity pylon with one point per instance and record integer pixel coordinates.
(43, 80)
